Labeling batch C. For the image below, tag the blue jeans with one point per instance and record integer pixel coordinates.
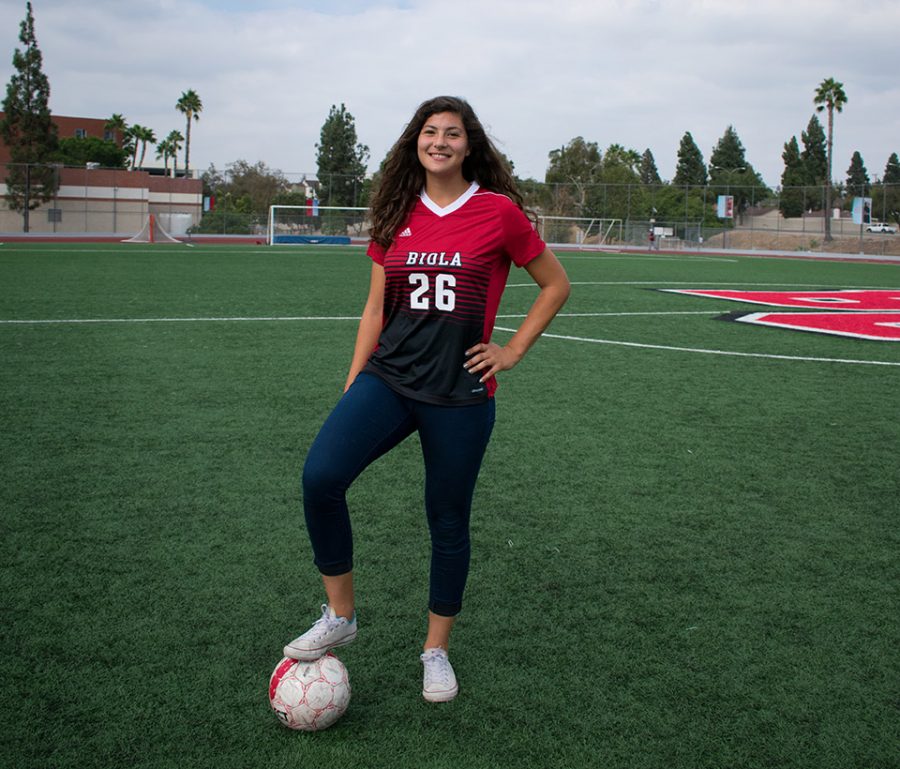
(368, 421)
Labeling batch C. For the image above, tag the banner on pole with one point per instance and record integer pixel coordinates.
(862, 210)
(725, 207)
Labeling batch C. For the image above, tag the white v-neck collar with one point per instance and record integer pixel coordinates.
(454, 206)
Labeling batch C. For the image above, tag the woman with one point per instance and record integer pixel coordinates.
(447, 223)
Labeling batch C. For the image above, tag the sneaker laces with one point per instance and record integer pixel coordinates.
(438, 669)
(325, 624)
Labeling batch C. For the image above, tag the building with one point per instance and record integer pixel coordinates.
(105, 201)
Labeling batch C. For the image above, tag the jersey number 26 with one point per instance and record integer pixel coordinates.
(444, 296)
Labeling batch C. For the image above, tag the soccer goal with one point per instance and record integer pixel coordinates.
(315, 224)
(152, 232)
(584, 232)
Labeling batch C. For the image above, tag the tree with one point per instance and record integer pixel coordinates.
(728, 154)
(213, 180)
(250, 188)
(256, 184)
(857, 176)
(117, 125)
(829, 96)
(74, 151)
(886, 193)
(619, 192)
(164, 151)
(730, 170)
(121, 131)
(27, 128)
(169, 148)
(134, 137)
(243, 195)
(537, 195)
(190, 106)
(341, 159)
(691, 170)
(648, 172)
(575, 168)
(892, 170)
(792, 180)
(815, 163)
(146, 136)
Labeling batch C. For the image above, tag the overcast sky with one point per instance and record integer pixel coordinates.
(538, 72)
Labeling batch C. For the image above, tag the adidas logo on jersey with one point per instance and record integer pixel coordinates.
(406, 233)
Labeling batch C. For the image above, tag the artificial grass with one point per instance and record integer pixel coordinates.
(679, 560)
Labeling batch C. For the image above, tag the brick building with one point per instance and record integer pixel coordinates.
(102, 200)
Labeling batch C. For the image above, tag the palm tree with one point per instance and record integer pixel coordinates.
(829, 96)
(146, 135)
(117, 126)
(132, 138)
(190, 105)
(175, 142)
(164, 151)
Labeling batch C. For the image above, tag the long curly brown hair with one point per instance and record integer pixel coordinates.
(403, 176)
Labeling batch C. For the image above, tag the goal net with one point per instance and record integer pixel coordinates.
(585, 232)
(314, 224)
(152, 232)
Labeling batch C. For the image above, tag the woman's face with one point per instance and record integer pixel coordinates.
(443, 144)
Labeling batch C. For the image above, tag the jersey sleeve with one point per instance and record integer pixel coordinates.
(376, 252)
(522, 243)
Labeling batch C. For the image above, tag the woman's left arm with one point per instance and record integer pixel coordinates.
(488, 358)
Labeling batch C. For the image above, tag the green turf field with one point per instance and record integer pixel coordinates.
(681, 559)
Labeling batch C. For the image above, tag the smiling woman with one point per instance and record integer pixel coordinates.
(447, 225)
(442, 148)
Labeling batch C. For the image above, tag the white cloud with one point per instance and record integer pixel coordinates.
(635, 72)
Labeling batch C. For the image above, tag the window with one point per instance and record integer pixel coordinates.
(80, 133)
(54, 215)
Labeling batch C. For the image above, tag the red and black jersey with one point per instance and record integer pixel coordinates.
(444, 275)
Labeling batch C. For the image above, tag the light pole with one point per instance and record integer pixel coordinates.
(729, 172)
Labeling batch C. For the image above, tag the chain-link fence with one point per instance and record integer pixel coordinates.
(665, 216)
(95, 201)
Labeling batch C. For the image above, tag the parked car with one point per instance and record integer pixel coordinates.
(880, 227)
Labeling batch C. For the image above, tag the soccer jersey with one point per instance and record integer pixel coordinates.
(445, 272)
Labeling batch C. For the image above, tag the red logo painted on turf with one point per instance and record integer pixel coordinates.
(882, 326)
(837, 299)
(862, 314)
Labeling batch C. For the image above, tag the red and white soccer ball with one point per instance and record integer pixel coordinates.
(309, 696)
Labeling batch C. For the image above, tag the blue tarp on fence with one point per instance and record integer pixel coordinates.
(332, 240)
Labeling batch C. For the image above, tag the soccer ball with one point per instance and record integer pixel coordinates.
(309, 695)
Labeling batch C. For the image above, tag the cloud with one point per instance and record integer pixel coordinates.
(635, 72)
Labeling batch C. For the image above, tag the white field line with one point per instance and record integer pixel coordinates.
(648, 258)
(702, 351)
(620, 314)
(699, 283)
(590, 340)
(181, 320)
(277, 318)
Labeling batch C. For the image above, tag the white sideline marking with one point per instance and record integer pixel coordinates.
(276, 318)
(179, 320)
(692, 283)
(647, 258)
(619, 314)
(709, 352)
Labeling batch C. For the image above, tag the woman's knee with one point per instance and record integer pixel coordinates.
(321, 479)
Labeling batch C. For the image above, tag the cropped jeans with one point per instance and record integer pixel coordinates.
(368, 421)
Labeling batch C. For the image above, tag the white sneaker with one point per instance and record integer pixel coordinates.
(326, 633)
(440, 680)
